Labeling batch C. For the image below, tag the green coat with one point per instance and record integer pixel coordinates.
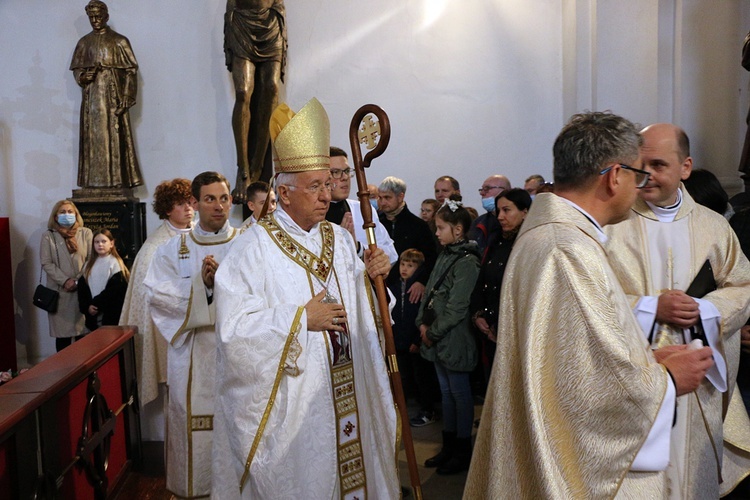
(453, 345)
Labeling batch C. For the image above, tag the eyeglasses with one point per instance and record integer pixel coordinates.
(314, 189)
(641, 176)
(336, 173)
(484, 189)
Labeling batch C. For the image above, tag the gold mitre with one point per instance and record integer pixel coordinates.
(301, 141)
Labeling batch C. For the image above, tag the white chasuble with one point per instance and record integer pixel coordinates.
(184, 312)
(299, 413)
(653, 252)
(574, 392)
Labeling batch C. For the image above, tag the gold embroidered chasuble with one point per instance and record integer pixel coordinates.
(181, 312)
(574, 389)
(299, 413)
(710, 238)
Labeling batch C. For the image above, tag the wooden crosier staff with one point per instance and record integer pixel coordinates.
(376, 134)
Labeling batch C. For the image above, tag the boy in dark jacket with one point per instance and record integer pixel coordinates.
(418, 374)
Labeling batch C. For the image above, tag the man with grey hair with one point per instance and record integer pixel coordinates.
(578, 406)
(407, 231)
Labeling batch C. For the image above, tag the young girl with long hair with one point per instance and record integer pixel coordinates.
(102, 288)
(445, 329)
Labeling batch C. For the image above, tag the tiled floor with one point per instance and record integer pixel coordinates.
(427, 442)
(150, 485)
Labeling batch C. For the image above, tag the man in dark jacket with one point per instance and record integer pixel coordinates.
(486, 228)
(407, 231)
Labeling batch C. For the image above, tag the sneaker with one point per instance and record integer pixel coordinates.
(422, 419)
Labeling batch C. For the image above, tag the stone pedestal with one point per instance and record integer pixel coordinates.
(126, 218)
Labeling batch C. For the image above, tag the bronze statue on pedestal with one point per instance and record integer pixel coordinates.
(104, 66)
(255, 48)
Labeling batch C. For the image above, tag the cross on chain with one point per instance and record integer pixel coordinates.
(369, 132)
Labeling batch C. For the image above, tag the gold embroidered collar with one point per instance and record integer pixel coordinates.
(321, 265)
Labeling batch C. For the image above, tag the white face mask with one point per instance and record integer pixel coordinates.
(66, 220)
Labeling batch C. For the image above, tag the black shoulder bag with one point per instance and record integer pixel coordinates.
(47, 298)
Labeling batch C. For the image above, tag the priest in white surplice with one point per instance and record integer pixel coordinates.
(657, 253)
(173, 202)
(303, 406)
(180, 283)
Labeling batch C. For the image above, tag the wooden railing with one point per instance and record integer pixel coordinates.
(69, 426)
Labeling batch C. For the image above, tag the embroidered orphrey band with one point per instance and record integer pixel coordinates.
(293, 331)
(351, 464)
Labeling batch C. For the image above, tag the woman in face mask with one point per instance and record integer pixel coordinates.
(64, 251)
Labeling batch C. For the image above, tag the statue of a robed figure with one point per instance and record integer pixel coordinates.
(105, 68)
(255, 48)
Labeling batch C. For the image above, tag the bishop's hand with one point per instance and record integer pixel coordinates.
(322, 316)
(377, 263)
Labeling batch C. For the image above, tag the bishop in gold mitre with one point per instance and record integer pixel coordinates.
(304, 406)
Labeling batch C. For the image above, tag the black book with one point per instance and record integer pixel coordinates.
(703, 284)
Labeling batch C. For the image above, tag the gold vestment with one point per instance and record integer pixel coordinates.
(574, 389)
(711, 238)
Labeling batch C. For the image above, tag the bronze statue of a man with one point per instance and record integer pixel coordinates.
(105, 68)
(255, 49)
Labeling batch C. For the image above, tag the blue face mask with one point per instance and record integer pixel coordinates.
(66, 220)
(489, 204)
(374, 204)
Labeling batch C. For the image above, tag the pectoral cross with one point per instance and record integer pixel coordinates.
(665, 334)
(339, 340)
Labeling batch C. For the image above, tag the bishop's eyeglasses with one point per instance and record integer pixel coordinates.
(315, 189)
(641, 176)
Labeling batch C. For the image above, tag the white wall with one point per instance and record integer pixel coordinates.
(472, 88)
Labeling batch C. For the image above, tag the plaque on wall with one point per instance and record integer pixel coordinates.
(126, 220)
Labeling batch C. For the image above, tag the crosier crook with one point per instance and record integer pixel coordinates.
(376, 136)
